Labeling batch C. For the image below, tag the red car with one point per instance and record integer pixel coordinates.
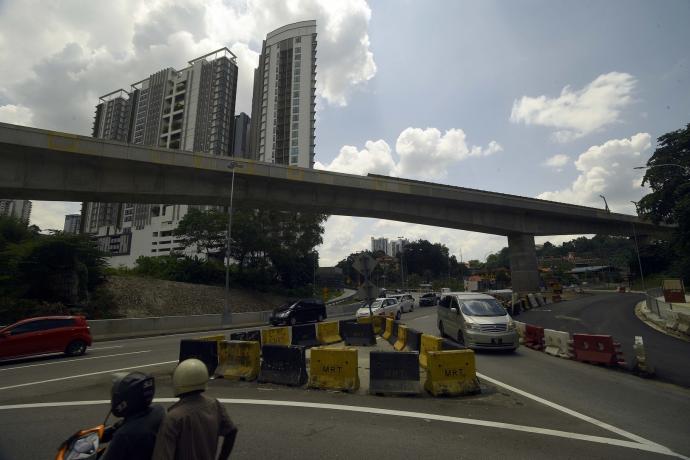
(46, 334)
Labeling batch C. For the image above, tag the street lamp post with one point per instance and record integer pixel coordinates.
(227, 317)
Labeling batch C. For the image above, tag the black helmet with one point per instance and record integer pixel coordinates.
(131, 393)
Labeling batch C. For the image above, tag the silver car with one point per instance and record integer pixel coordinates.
(406, 302)
(477, 321)
(381, 307)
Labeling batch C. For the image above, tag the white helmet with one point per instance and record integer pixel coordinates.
(190, 375)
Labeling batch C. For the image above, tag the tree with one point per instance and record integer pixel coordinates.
(203, 230)
(668, 175)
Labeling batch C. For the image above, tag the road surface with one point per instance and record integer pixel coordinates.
(532, 406)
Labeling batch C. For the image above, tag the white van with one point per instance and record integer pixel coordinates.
(477, 321)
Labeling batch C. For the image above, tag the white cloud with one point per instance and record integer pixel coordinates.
(15, 114)
(375, 157)
(576, 113)
(421, 153)
(344, 235)
(50, 215)
(557, 161)
(64, 56)
(607, 170)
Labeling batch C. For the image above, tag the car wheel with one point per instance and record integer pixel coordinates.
(398, 315)
(440, 329)
(76, 348)
(293, 321)
(461, 338)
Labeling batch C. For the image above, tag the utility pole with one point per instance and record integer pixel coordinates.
(227, 317)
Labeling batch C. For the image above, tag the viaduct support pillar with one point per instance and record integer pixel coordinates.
(523, 263)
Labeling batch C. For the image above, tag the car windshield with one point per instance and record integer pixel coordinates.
(428, 295)
(286, 306)
(376, 304)
(482, 308)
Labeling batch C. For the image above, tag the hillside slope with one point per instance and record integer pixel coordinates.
(138, 297)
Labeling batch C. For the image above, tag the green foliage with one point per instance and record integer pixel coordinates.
(181, 268)
(668, 175)
(271, 248)
(46, 274)
(205, 230)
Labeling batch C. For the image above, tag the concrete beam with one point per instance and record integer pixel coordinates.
(40, 164)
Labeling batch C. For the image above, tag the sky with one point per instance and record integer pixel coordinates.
(548, 99)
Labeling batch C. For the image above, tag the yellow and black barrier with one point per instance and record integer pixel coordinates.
(213, 338)
(328, 332)
(388, 331)
(276, 336)
(399, 344)
(392, 372)
(379, 323)
(451, 373)
(427, 344)
(333, 369)
(239, 360)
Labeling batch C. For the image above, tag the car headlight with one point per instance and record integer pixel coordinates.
(473, 327)
(511, 325)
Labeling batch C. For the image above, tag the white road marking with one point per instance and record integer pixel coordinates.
(85, 375)
(654, 448)
(107, 348)
(66, 361)
(571, 412)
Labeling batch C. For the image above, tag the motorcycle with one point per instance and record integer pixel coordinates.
(87, 444)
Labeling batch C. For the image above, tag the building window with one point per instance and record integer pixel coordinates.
(298, 39)
(295, 118)
(295, 125)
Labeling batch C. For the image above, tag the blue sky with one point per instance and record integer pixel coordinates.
(547, 99)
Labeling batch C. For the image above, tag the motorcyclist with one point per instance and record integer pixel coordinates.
(193, 425)
(134, 437)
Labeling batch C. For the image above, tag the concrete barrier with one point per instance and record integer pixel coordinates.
(683, 325)
(203, 350)
(276, 336)
(388, 331)
(394, 373)
(238, 360)
(304, 335)
(414, 339)
(402, 338)
(427, 344)
(520, 326)
(284, 365)
(357, 334)
(451, 373)
(328, 332)
(557, 343)
(333, 369)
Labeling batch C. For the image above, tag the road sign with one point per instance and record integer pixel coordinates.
(367, 290)
(364, 264)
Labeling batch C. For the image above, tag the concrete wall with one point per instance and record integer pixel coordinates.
(105, 329)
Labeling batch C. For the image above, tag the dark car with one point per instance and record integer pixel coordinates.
(300, 311)
(428, 300)
(47, 334)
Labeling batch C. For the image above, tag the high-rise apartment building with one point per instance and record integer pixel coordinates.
(379, 244)
(72, 223)
(396, 246)
(240, 139)
(19, 209)
(284, 97)
(191, 109)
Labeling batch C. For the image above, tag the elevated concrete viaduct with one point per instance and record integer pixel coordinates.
(47, 165)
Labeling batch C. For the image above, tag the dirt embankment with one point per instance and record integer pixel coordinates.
(138, 297)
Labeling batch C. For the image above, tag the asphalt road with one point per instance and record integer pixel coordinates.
(613, 314)
(532, 406)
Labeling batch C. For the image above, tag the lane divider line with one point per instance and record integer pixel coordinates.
(565, 410)
(70, 377)
(67, 361)
(107, 348)
(654, 448)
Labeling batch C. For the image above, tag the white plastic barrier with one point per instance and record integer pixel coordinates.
(532, 301)
(557, 343)
(642, 361)
(520, 326)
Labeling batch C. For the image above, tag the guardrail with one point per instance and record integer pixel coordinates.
(340, 300)
(102, 329)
